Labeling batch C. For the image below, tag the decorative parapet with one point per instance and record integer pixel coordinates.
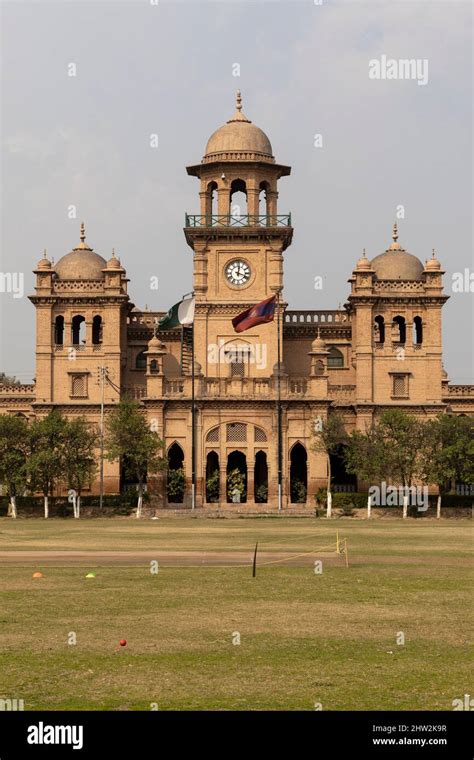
(460, 390)
(341, 392)
(17, 390)
(316, 317)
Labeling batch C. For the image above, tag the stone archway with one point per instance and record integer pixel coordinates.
(175, 485)
(261, 478)
(212, 485)
(236, 475)
(298, 474)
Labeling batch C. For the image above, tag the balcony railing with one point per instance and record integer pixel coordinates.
(245, 220)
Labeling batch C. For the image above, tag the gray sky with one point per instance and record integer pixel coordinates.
(168, 69)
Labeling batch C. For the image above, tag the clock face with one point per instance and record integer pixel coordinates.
(237, 272)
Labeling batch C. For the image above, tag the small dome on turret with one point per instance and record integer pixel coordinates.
(363, 262)
(44, 263)
(433, 264)
(318, 344)
(114, 262)
(155, 346)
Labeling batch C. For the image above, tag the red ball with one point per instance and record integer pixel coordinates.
(123, 642)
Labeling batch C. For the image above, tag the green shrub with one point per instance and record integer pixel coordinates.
(175, 485)
(212, 487)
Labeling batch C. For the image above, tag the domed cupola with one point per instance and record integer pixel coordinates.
(82, 263)
(397, 264)
(238, 139)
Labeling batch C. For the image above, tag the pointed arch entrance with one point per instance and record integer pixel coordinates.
(176, 480)
(261, 478)
(236, 476)
(298, 474)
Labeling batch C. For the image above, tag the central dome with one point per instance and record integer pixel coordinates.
(240, 136)
(82, 263)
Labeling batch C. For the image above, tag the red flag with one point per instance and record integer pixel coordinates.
(257, 315)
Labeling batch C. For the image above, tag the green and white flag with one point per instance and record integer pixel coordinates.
(181, 313)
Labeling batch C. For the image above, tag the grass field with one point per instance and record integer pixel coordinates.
(305, 638)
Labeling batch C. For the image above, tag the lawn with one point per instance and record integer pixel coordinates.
(305, 638)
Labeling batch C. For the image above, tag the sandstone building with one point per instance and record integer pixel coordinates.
(383, 349)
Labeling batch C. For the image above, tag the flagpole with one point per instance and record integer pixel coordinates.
(193, 418)
(279, 408)
(193, 425)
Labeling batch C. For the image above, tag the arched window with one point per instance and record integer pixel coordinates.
(154, 366)
(97, 330)
(379, 329)
(319, 368)
(264, 201)
(78, 330)
(399, 332)
(59, 330)
(417, 331)
(335, 358)
(140, 361)
(211, 201)
(213, 435)
(238, 199)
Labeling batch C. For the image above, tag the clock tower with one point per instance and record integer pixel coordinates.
(238, 240)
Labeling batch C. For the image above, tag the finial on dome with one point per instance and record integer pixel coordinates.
(433, 254)
(44, 254)
(83, 232)
(363, 253)
(238, 115)
(395, 245)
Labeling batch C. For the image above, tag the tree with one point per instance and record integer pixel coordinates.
(78, 454)
(8, 379)
(14, 438)
(365, 455)
(329, 436)
(389, 451)
(130, 440)
(45, 465)
(448, 453)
